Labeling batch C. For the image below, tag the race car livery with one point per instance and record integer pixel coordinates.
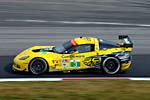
(77, 54)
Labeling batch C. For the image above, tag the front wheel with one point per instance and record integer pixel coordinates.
(38, 66)
(111, 65)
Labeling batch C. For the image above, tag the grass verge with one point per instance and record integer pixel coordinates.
(79, 90)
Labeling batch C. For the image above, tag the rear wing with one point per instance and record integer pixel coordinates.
(126, 41)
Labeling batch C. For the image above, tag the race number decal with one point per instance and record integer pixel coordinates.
(75, 63)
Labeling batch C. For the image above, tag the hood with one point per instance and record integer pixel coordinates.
(35, 49)
(42, 49)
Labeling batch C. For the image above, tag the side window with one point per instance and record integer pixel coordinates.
(82, 48)
(106, 46)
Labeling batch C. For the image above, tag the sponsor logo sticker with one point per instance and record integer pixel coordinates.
(65, 63)
(75, 63)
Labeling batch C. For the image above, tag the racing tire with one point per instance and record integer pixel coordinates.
(111, 65)
(38, 66)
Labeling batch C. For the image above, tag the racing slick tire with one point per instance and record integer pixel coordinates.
(111, 65)
(38, 66)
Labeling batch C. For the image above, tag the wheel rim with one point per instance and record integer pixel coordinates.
(111, 65)
(38, 66)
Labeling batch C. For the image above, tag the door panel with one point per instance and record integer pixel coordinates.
(86, 60)
(77, 61)
(79, 57)
(65, 61)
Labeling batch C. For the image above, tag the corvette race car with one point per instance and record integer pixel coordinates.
(77, 54)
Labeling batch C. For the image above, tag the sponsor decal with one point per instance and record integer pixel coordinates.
(55, 62)
(65, 63)
(72, 56)
(75, 63)
(72, 63)
(92, 61)
(87, 38)
(44, 52)
(47, 49)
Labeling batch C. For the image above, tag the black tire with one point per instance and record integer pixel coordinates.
(111, 65)
(38, 66)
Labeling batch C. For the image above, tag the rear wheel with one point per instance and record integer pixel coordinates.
(111, 65)
(38, 66)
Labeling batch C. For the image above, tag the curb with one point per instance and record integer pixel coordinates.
(72, 79)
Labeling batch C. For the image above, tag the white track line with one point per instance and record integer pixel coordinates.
(72, 79)
(78, 22)
(29, 79)
(97, 78)
(27, 20)
(140, 79)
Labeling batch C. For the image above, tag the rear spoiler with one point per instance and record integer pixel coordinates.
(126, 41)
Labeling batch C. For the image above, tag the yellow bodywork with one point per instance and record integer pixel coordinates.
(59, 62)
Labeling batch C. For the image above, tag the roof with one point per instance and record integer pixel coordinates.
(85, 40)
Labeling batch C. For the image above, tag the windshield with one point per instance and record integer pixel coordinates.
(62, 48)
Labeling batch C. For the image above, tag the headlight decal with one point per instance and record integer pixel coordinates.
(24, 58)
(123, 55)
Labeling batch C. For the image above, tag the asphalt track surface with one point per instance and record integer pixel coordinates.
(79, 13)
(25, 23)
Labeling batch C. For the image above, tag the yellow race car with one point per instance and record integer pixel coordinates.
(77, 54)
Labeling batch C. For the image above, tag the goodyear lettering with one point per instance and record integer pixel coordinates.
(72, 56)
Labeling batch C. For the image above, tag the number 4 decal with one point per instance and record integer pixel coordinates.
(75, 63)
